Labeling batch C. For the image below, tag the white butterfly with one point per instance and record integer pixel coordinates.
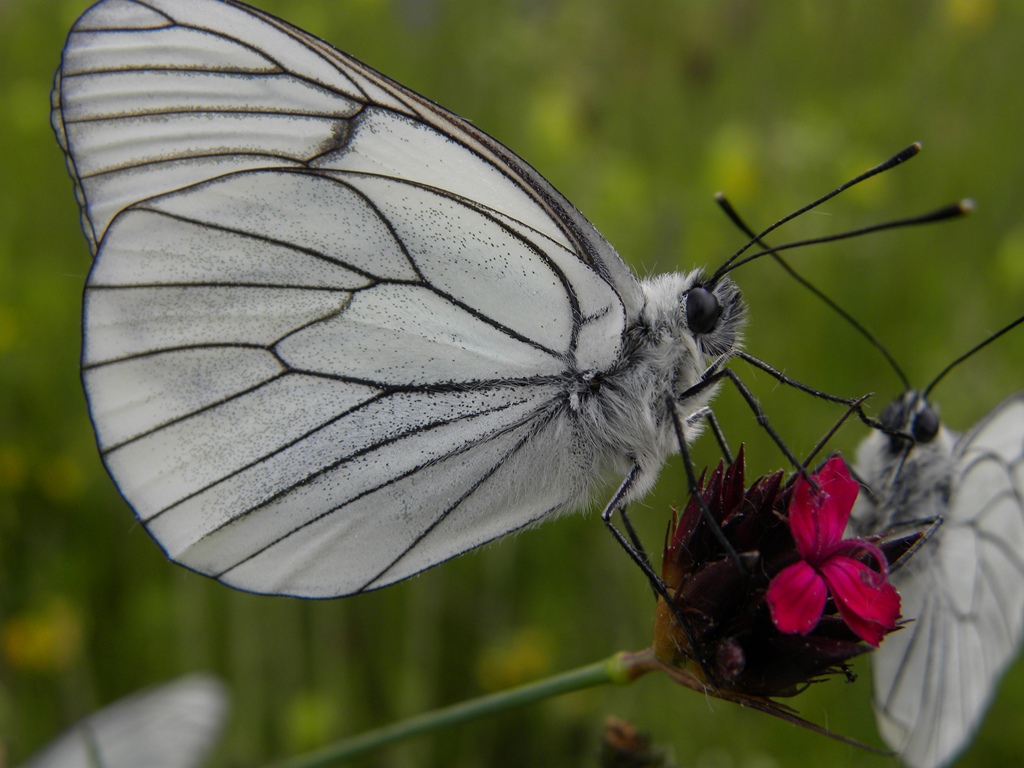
(964, 589)
(334, 334)
(168, 726)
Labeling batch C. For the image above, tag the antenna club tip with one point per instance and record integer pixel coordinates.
(966, 206)
(907, 153)
(719, 196)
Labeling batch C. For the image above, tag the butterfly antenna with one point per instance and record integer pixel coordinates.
(976, 348)
(735, 218)
(892, 162)
(952, 211)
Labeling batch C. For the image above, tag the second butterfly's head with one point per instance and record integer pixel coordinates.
(907, 466)
(910, 414)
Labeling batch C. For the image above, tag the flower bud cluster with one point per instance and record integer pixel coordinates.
(743, 638)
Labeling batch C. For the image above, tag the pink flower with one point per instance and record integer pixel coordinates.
(830, 565)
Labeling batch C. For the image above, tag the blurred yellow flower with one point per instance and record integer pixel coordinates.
(553, 118)
(1010, 259)
(311, 719)
(13, 467)
(525, 656)
(61, 479)
(969, 16)
(45, 640)
(732, 163)
(854, 161)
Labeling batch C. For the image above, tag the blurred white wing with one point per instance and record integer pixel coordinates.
(170, 726)
(965, 591)
(329, 326)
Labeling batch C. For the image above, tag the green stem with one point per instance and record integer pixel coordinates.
(619, 669)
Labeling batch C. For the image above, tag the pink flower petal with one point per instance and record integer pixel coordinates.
(869, 605)
(834, 478)
(817, 519)
(870, 631)
(803, 522)
(796, 598)
(855, 548)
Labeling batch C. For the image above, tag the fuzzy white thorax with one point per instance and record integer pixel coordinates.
(626, 418)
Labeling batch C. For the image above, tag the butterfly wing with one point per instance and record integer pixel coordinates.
(934, 679)
(329, 325)
(169, 726)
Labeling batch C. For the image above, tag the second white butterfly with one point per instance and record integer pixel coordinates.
(964, 589)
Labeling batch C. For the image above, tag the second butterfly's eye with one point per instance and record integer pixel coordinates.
(926, 425)
(893, 415)
(702, 310)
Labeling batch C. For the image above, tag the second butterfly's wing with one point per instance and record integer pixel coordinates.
(168, 726)
(330, 327)
(964, 591)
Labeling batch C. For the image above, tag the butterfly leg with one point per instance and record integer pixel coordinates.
(852, 402)
(694, 487)
(639, 556)
(708, 416)
(632, 544)
(634, 538)
(927, 527)
(762, 419)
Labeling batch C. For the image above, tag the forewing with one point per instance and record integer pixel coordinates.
(327, 320)
(965, 591)
(170, 726)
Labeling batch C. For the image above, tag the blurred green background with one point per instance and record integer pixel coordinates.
(638, 112)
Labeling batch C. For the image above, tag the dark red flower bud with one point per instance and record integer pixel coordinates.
(795, 603)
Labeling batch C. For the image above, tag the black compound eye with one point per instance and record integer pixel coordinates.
(702, 311)
(926, 425)
(893, 415)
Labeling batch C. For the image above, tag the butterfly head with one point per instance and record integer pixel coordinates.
(687, 310)
(912, 415)
(685, 324)
(713, 313)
